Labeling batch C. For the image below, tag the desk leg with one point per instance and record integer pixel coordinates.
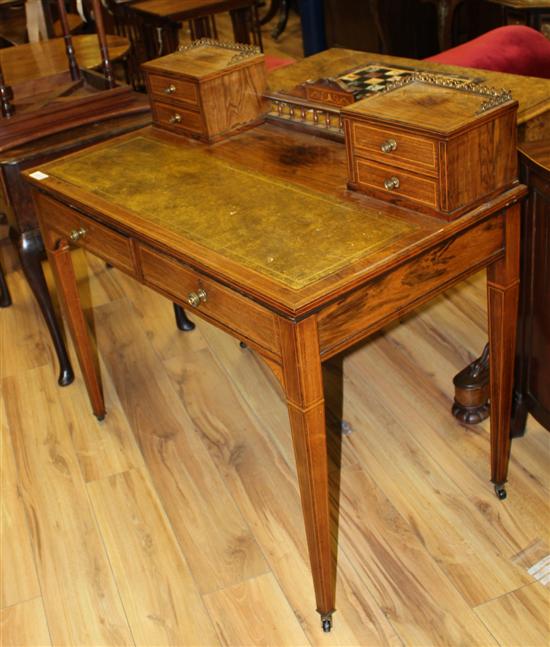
(502, 299)
(303, 381)
(62, 266)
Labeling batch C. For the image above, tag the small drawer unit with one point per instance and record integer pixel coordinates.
(437, 144)
(208, 89)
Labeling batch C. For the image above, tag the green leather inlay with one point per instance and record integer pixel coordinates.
(282, 231)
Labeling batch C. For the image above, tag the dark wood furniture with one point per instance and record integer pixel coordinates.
(532, 377)
(190, 229)
(32, 61)
(159, 21)
(21, 213)
(445, 14)
(530, 12)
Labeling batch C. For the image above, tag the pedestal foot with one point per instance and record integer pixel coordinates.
(472, 391)
(101, 417)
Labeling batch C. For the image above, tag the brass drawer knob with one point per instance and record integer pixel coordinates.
(77, 234)
(170, 89)
(388, 146)
(196, 298)
(175, 119)
(391, 183)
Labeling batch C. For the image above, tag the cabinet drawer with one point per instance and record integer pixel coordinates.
(177, 118)
(395, 148)
(372, 178)
(110, 245)
(169, 88)
(245, 318)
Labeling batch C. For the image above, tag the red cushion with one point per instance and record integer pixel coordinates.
(273, 62)
(515, 49)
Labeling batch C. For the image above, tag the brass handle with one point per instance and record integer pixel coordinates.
(175, 119)
(196, 298)
(388, 146)
(77, 234)
(170, 89)
(392, 183)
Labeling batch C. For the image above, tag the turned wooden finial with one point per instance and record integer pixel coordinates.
(100, 26)
(71, 56)
(6, 96)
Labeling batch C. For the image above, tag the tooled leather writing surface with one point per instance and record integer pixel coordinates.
(282, 231)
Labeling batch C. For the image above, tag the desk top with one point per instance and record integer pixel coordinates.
(267, 211)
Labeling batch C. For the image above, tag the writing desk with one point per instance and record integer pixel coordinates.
(260, 237)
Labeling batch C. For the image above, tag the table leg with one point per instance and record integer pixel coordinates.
(5, 299)
(502, 301)
(182, 321)
(303, 381)
(62, 265)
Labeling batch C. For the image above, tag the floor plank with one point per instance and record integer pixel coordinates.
(80, 598)
(520, 618)
(255, 613)
(19, 581)
(180, 467)
(161, 599)
(24, 625)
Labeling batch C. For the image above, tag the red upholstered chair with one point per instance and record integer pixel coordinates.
(515, 49)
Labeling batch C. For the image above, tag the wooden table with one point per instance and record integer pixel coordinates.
(48, 57)
(532, 11)
(166, 16)
(220, 229)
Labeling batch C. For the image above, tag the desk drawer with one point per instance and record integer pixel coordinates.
(110, 245)
(385, 182)
(395, 148)
(164, 88)
(245, 318)
(177, 118)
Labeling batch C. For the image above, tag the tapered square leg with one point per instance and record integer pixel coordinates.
(303, 383)
(62, 265)
(502, 301)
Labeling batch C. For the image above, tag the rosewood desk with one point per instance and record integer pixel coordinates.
(221, 228)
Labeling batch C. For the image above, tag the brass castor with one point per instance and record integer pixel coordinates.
(500, 491)
(101, 418)
(326, 623)
(243, 345)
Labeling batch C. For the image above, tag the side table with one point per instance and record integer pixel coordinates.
(21, 213)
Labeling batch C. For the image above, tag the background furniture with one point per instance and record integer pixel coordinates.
(159, 22)
(532, 376)
(20, 209)
(530, 12)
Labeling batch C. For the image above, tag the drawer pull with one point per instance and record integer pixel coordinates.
(388, 146)
(170, 89)
(175, 119)
(391, 183)
(77, 234)
(196, 298)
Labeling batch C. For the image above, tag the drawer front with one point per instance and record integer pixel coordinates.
(245, 318)
(114, 247)
(385, 181)
(177, 118)
(164, 87)
(395, 148)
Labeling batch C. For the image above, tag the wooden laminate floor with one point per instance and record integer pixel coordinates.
(177, 521)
